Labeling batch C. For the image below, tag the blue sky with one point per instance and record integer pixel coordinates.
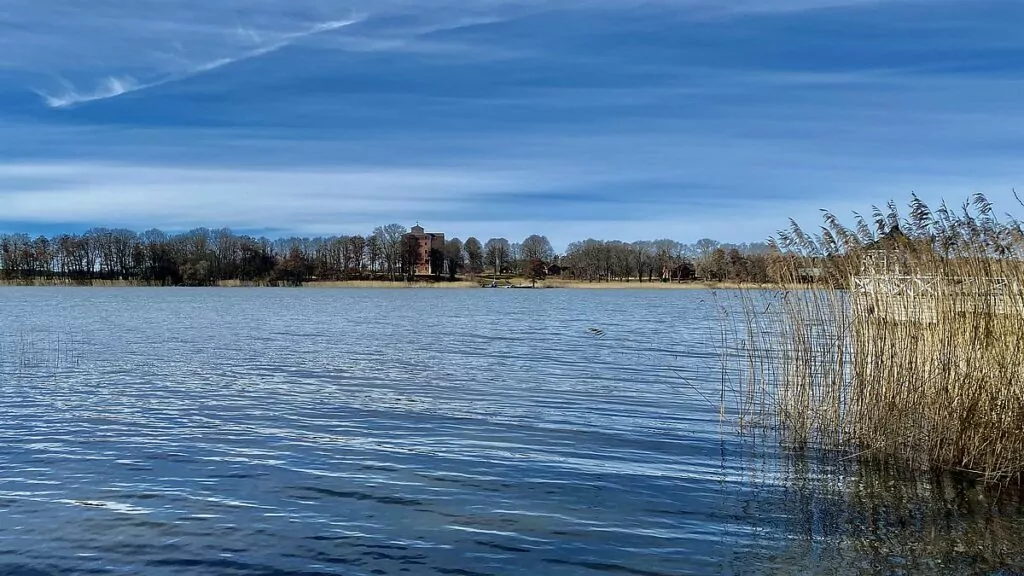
(591, 118)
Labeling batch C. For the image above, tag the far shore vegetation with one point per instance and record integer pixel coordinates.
(386, 257)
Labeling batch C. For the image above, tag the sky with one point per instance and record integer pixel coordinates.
(608, 119)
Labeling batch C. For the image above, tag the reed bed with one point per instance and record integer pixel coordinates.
(907, 346)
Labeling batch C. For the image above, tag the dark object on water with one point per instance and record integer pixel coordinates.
(596, 332)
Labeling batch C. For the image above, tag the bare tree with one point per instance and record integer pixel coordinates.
(496, 254)
(706, 265)
(357, 250)
(453, 254)
(537, 247)
(390, 238)
(410, 256)
(474, 255)
(514, 262)
(374, 252)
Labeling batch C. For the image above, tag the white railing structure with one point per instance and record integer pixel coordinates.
(883, 289)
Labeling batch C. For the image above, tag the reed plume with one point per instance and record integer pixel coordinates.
(905, 342)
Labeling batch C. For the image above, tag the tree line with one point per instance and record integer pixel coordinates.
(668, 260)
(203, 257)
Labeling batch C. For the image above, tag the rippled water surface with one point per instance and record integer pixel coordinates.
(273, 432)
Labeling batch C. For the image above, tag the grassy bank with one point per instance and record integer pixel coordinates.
(633, 284)
(42, 282)
(460, 283)
(51, 282)
(636, 285)
(392, 285)
(920, 364)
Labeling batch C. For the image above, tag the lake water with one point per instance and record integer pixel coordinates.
(465, 432)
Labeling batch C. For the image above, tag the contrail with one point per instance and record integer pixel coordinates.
(110, 88)
(113, 86)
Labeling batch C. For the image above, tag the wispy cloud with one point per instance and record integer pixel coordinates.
(112, 86)
(301, 201)
(127, 49)
(311, 200)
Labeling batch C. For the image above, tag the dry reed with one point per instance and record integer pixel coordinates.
(908, 347)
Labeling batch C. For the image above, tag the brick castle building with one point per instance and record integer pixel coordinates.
(426, 242)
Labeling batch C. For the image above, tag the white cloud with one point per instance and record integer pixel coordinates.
(109, 88)
(305, 202)
(314, 201)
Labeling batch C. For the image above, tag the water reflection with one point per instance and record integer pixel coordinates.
(818, 514)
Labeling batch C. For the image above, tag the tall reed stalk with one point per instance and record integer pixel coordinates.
(905, 342)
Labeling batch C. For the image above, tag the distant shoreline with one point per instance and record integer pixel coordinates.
(419, 284)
